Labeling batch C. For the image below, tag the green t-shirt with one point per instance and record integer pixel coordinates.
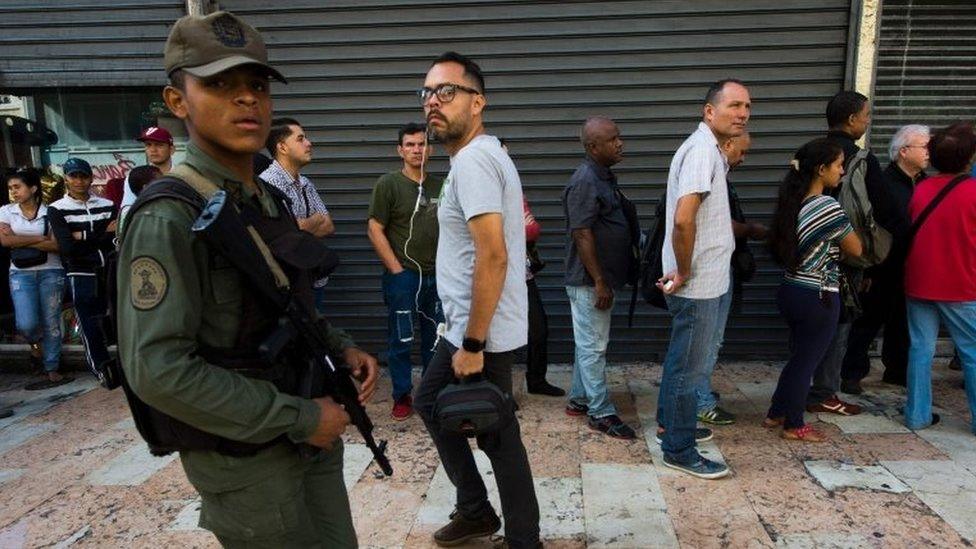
(394, 198)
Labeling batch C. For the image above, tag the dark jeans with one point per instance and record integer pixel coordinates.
(400, 293)
(537, 352)
(883, 306)
(813, 321)
(505, 450)
(826, 378)
(88, 298)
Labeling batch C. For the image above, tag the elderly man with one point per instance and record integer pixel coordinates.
(698, 248)
(599, 251)
(883, 303)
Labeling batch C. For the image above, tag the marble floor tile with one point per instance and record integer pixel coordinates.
(131, 468)
(833, 475)
(863, 423)
(947, 488)
(14, 435)
(624, 507)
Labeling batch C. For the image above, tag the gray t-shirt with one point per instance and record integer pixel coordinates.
(699, 167)
(482, 180)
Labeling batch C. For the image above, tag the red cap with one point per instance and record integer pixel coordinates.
(154, 133)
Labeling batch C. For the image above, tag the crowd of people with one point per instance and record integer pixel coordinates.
(862, 248)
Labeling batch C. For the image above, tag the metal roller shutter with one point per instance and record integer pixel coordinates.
(925, 70)
(354, 66)
(84, 43)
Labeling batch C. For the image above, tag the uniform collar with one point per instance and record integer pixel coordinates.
(214, 171)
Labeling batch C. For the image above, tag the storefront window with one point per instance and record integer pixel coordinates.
(101, 126)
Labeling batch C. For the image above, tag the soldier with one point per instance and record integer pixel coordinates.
(188, 318)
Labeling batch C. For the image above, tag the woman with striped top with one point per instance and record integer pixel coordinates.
(809, 232)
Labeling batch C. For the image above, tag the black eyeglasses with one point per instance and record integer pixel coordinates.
(445, 92)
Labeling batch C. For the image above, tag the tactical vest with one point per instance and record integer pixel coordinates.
(165, 434)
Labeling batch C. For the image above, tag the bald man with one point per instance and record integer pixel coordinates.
(599, 251)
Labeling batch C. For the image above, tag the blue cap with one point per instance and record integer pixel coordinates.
(76, 165)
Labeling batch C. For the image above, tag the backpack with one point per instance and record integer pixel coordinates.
(853, 198)
(650, 266)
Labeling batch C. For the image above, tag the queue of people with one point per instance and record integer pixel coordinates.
(256, 440)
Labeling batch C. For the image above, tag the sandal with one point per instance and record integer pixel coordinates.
(771, 422)
(804, 434)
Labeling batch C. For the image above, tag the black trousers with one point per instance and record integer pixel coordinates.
(509, 460)
(537, 352)
(883, 306)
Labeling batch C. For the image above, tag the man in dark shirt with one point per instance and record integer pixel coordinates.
(848, 118)
(598, 256)
(883, 301)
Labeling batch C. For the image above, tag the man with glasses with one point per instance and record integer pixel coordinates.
(402, 227)
(481, 283)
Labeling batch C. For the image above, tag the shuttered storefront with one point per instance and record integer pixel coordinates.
(926, 72)
(84, 43)
(354, 66)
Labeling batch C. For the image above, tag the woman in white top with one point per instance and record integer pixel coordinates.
(36, 275)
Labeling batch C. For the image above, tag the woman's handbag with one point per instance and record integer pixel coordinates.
(25, 258)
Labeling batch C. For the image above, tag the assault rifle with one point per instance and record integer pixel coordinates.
(223, 228)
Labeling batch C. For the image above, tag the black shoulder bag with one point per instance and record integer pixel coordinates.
(25, 258)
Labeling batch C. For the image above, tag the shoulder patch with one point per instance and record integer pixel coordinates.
(148, 283)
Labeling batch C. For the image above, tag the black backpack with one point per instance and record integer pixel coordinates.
(473, 406)
(651, 261)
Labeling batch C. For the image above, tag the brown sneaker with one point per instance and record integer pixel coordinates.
(460, 529)
(771, 422)
(804, 434)
(834, 405)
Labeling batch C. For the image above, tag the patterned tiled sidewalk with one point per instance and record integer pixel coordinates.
(74, 473)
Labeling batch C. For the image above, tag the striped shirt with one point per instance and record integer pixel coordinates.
(91, 218)
(821, 225)
(699, 167)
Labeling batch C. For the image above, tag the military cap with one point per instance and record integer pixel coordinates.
(205, 45)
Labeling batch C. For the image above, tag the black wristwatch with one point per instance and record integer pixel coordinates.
(473, 345)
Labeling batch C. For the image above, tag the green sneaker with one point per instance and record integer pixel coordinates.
(716, 416)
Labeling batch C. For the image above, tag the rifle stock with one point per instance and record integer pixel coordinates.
(221, 226)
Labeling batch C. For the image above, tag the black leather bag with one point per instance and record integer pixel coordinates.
(25, 258)
(472, 407)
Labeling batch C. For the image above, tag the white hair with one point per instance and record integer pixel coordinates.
(900, 139)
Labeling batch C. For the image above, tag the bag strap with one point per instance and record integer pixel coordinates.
(196, 180)
(920, 220)
(207, 189)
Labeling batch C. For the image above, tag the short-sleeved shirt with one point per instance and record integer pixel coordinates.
(699, 167)
(482, 180)
(941, 262)
(305, 199)
(12, 215)
(591, 201)
(392, 204)
(820, 226)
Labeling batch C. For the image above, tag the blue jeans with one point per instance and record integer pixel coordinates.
(923, 328)
(695, 337)
(88, 298)
(706, 400)
(591, 331)
(37, 310)
(404, 304)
